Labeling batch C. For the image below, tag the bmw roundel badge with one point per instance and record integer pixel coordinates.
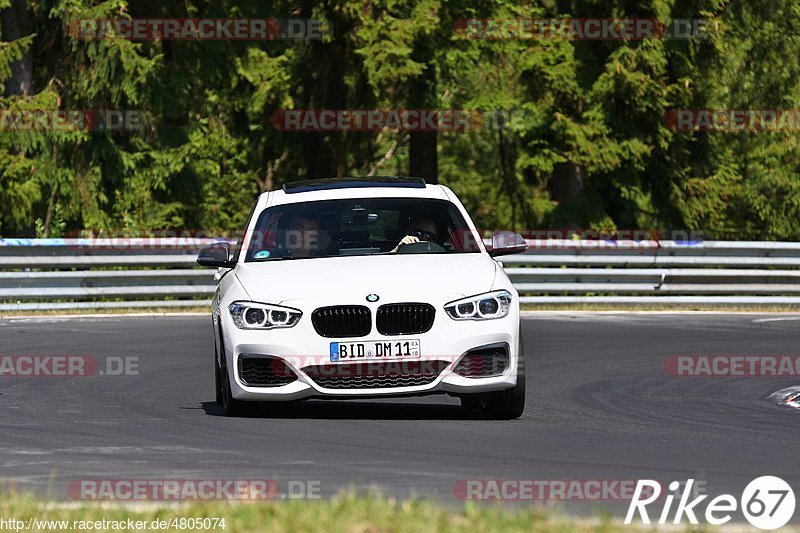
(373, 297)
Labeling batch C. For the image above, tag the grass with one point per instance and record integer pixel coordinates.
(347, 512)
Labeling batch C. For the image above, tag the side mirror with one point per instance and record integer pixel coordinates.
(507, 242)
(216, 255)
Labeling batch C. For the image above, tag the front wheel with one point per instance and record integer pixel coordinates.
(510, 403)
(501, 405)
(505, 404)
(232, 406)
(218, 388)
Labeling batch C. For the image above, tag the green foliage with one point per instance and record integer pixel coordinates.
(585, 113)
(11, 52)
(56, 226)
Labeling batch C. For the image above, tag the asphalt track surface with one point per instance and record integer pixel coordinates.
(600, 406)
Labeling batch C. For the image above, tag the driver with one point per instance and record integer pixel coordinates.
(420, 229)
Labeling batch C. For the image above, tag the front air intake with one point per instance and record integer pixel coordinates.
(376, 375)
(483, 362)
(264, 371)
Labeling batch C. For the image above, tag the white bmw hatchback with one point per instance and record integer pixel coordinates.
(369, 287)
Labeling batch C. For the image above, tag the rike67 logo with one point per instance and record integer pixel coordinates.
(767, 503)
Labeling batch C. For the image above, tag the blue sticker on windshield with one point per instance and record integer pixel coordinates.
(263, 254)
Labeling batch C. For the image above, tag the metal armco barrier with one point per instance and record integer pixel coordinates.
(657, 272)
(129, 273)
(53, 274)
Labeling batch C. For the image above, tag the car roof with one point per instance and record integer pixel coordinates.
(342, 188)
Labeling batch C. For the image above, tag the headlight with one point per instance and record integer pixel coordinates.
(481, 307)
(253, 315)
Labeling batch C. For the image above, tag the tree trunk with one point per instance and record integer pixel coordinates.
(324, 87)
(566, 182)
(422, 157)
(423, 162)
(15, 22)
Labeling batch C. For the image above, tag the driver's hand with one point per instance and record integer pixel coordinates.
(408, 239)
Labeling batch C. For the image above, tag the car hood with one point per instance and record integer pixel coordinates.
(351, 279)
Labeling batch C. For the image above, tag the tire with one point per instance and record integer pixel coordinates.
(510, 403)
(218, 382)
(232, 406)
(505, 404)
(472, 401)
(218, 390)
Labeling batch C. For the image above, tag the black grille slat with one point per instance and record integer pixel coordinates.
(342, 321)
(257, 371)
(376, 375)
(405, 318)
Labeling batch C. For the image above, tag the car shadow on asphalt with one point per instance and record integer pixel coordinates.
(353, 410)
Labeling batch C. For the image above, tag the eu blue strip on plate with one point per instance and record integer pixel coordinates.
(334, 351)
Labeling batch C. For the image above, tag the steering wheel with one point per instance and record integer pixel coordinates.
(422, 247)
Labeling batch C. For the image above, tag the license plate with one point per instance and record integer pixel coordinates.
(350, 351)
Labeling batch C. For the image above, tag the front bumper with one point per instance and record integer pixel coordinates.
(301, 347)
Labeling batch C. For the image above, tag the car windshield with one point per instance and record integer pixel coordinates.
(360, 226)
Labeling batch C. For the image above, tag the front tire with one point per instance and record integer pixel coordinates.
(218, 388)
(505, 404)
(232, 406)
(510, 403)
(472, 401)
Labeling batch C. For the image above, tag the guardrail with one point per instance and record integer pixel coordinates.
(53, 274)
(657, 272)
(129, 273)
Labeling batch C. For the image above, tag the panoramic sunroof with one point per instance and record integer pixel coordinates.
(352, 183)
